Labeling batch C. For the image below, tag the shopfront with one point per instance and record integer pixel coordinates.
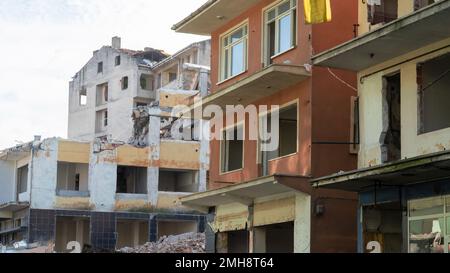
(429, 225)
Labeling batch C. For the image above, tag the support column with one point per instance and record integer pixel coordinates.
(204, 155)
(136, 234)
(80, 232)
(154, 141)
(302, 226)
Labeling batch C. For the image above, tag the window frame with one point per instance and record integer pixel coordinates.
(99, 67)
(118, 60)
(222, 49)
(222, 170)
(264, 115)
(293, 12)
(124, 83)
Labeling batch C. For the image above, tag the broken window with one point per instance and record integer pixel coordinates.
(281, 28)
(232, 149)
(72, 177)
(131, 180)
(83, 97)
(433, 79)
(100, 67)
(105, 119)
(382, 11)
(102, 95)
(172, 77)
(419, 4)
(146, 82)
(391, 135)
(117, 60)
(124, 83)
(288, 131)
(101, 121)
(22, 179)
(178, 181)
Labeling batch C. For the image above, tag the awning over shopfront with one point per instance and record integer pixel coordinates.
(246, 193)
(416, 170)
(406, 34)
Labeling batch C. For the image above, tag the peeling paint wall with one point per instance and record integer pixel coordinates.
(43, 174)
(102, 180)
(370, 91)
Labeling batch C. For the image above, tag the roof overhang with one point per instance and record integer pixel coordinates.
(246, 193)
(261, 84)
(406, 172)
(13, 206)
(406, 34)
(212, 15)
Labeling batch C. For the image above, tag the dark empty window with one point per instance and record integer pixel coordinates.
(105, 119)
(433, 79)
(22, 179)
(418, 4)
(232, 149)
(384, 11)
(100, 67)
(131, 180)
(118, 60)
(172, 77)
(124, 83)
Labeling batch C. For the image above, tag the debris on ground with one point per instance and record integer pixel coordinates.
(184, 243)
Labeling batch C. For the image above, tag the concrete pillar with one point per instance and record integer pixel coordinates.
(302, 225)
(103, 180)
(136, 234)
(80, 232)
(154, 141)
(204, 156)
(203, 82)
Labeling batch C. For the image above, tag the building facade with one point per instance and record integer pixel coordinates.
(262, 201)
(121, 190)
(403, 79)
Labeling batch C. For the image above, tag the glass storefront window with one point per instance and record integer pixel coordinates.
(426, 207)
(427, 235)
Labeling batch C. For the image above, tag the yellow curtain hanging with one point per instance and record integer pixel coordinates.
(317, 11)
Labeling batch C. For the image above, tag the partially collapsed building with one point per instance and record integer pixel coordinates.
(402, 58)
(115, 182)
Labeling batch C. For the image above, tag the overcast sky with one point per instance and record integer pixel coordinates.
(43, 43)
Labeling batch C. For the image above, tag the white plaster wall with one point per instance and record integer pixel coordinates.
(413, 143)
(82, 118)
(7, 181)
(102, 181)
(43, 175)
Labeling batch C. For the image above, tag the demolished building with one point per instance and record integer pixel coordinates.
(118, 188)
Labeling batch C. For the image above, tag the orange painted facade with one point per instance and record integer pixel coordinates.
(324, 101)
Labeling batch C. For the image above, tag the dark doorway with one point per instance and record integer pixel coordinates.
(391, 135)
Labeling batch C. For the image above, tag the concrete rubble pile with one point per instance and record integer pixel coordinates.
(141, 126)
(185, 243)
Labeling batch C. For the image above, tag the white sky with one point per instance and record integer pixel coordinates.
(43, 43)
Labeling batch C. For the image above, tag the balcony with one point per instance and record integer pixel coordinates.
(212, 15)
(412, 32)
(263, 83)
